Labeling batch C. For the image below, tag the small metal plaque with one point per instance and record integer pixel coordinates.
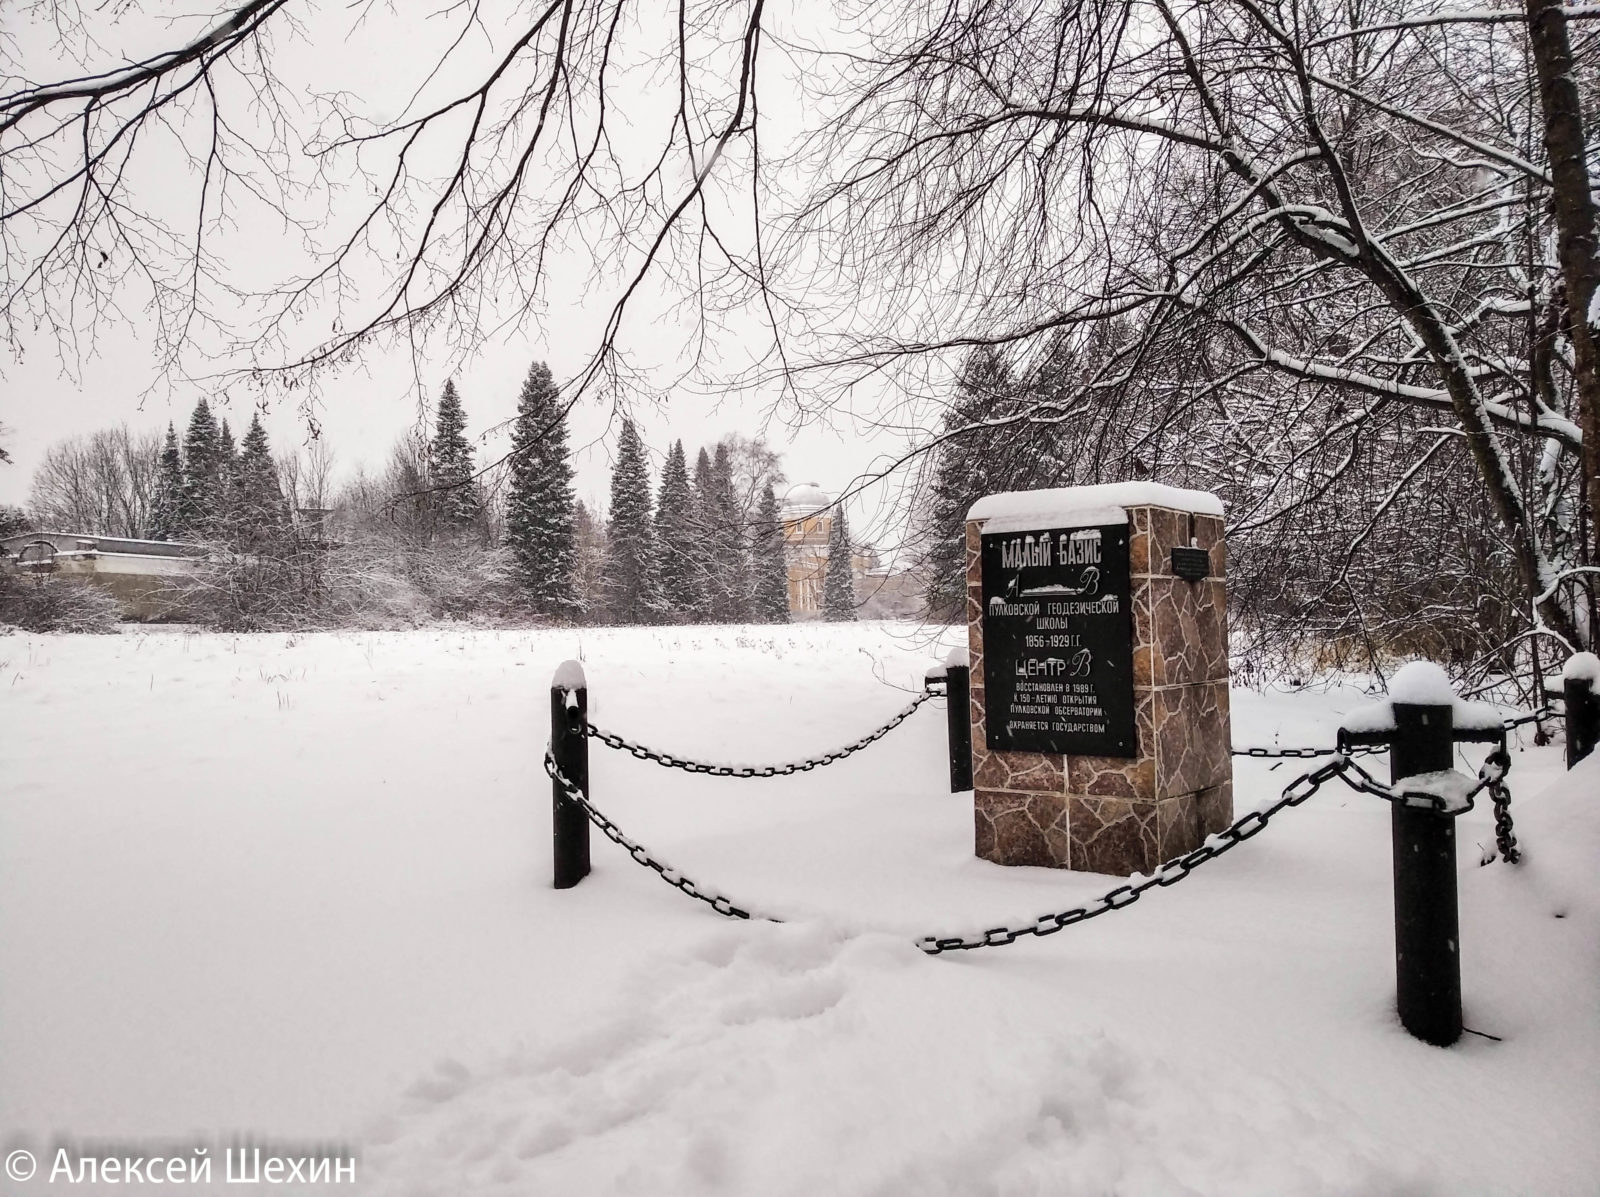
(1058, 641)
(1190, 564)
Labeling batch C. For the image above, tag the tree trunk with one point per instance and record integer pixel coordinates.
(1573, 208)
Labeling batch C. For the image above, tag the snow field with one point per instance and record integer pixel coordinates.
(299, 888)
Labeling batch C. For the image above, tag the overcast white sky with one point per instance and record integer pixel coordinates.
(363, 409)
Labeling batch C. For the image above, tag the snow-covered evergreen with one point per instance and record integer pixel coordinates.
(227, 452)
(455, 493)
(258, 510)
(540, 530)
(632, 583)
(838, 584)
(705, 523)
(769, 564)
(730, 558)
(971, 464)
(166, 505)
(682, 580)
(202, 474)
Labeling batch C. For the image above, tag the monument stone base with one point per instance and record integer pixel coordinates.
(1109, 813)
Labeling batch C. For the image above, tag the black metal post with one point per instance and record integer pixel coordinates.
(1583, 717)
(1427, 925)
(569, 709)
(958, 692)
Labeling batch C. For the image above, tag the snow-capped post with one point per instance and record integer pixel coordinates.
(569, 746)
(1427, 927)
(1098, 644)
(958, 718)
(1580, 687)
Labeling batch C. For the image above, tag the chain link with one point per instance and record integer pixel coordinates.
(1539, 716)
(1307, 753)
(1492, 776)
(612, 740)
(1174, 871)
(1365, 783)
(671, 876)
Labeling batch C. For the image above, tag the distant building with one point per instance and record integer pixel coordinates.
(807, 518)
(143, 575)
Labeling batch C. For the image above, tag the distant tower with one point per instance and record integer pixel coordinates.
(807, 518)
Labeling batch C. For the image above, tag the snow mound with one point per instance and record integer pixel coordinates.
(795, 1059)
(1422, 683)
(1584, 666)
(1559, 831)
(569, 676)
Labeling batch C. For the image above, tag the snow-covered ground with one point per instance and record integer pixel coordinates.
(297, 888)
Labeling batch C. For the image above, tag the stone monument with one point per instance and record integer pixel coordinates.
(1097, 630)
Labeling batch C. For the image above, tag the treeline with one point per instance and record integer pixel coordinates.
(1358, 570)
(435, 533)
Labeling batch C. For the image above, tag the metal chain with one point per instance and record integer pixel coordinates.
(1306, 753)
(1365, 783)
(1516, 721)
(1510, 724)
(1174, 871)
(1492, 776)
(612, 740)
(671, 876)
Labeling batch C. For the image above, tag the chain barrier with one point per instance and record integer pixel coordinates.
(612, 740)
(1491, 777)
(636, 850)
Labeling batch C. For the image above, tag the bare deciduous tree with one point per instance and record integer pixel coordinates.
(101, 483)
(1268, 226)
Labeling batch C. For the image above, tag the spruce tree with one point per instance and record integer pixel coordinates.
(682, 589)
(167, 505)
(838, 584)
(731, 558)
(227, 452)
(589, 533)
(540, 516)
(770, 564)
(703, 556)
(455, 494)
(632, 586)
(202, 474)
(970, 465)
(259, 510)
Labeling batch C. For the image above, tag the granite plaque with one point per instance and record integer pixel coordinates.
(1058, 641)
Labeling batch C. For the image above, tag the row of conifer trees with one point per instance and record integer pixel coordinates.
(211, 489)
(692, 555)
(686, 551)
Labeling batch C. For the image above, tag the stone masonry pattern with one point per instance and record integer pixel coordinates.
(1111, 815)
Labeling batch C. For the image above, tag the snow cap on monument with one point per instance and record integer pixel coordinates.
(569, 676)
(1103, 504)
